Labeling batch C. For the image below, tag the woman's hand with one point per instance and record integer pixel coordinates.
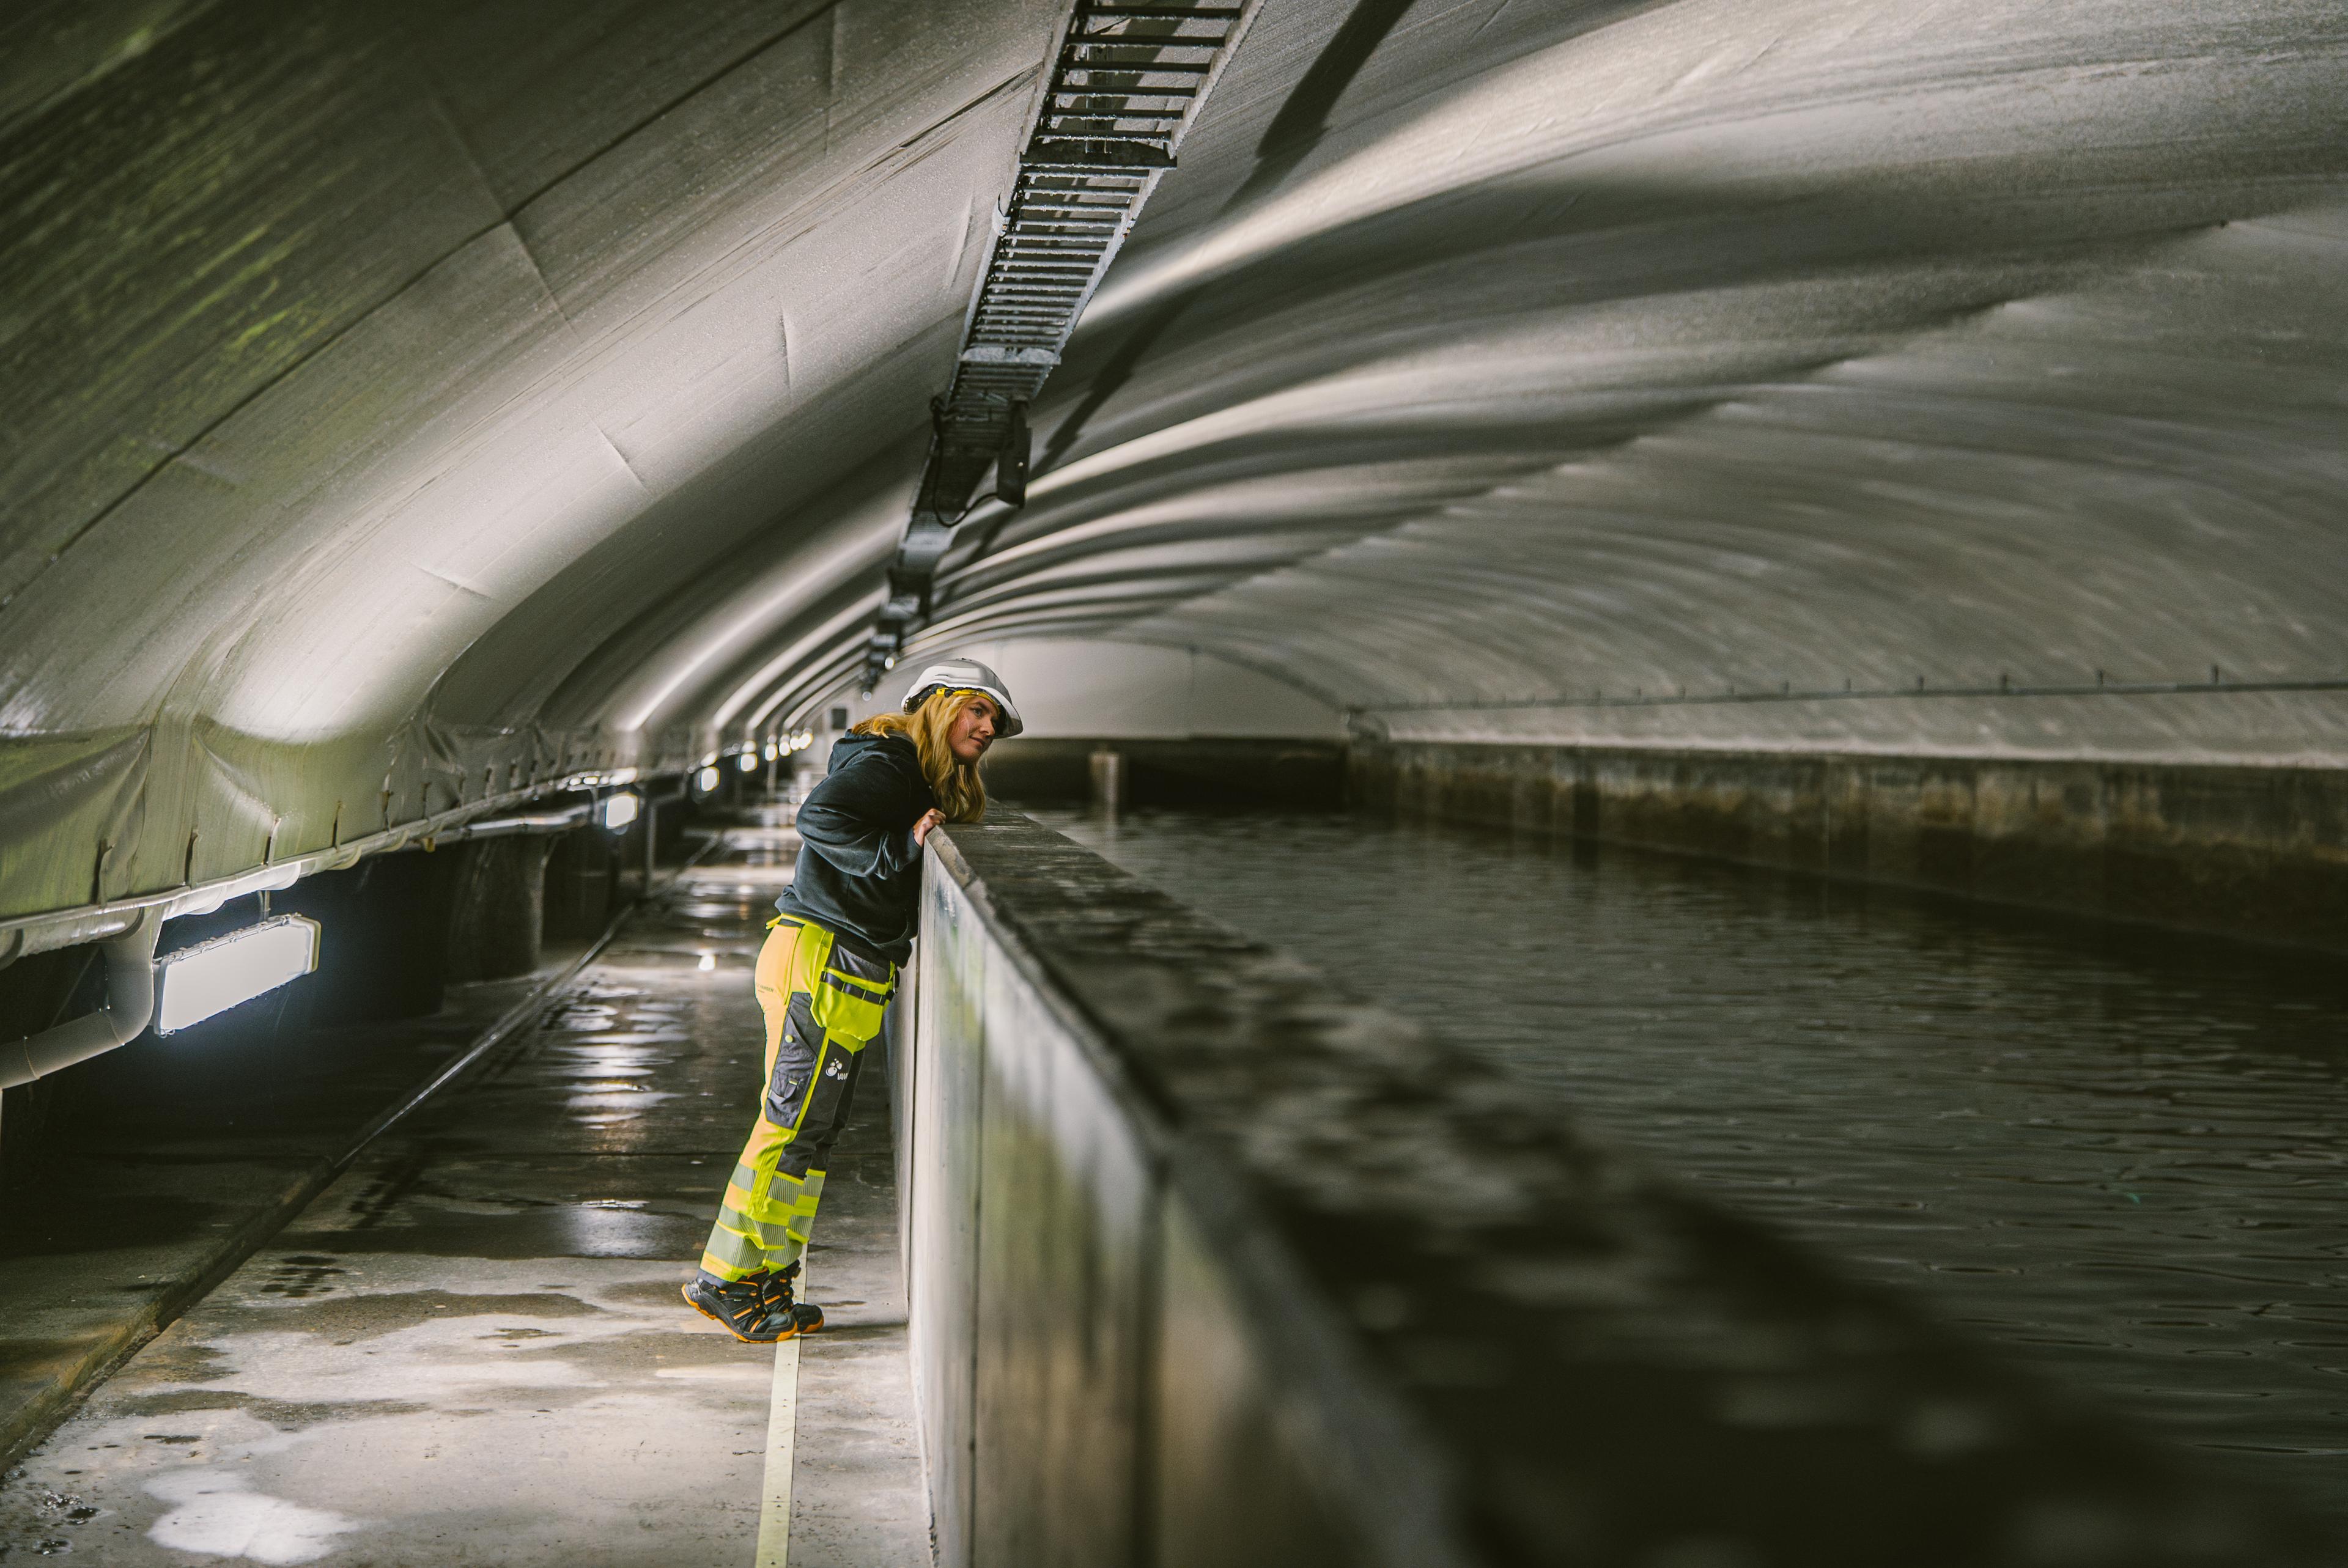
(930, 819)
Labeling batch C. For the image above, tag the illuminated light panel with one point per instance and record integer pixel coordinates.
(747, 762)
(618, 811)
(194, 983)
(707, 779)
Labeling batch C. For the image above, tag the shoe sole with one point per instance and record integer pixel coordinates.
(686, 1291)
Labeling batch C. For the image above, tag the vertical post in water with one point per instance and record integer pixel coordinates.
(1108, 782)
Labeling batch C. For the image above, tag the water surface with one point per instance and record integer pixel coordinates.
(2119, 1152)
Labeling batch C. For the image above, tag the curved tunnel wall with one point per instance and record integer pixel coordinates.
(407, 410)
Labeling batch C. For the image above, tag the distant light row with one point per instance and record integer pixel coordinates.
(618, 810)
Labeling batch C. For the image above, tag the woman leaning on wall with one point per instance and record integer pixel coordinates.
(828, 968)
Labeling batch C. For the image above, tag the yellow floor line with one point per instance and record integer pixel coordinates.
(782, 1433)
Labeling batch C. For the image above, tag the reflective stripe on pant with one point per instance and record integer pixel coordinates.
(823, 1007)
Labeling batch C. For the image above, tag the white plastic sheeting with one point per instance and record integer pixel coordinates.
(346, 339)
(1080, 689)
(1716, 348)
(408, 405)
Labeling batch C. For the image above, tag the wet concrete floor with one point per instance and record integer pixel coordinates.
(470, 1348)
(156, 1159)
(2116, 1151)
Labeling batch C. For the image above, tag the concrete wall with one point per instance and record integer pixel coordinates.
(1170, 703)
(1091, 687)
(497, 905)
(1209, 1266)
(1301, 774)
(2253, 851)
(583, 874)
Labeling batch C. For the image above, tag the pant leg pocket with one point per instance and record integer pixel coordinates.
(793, 1079)
(826, 1106)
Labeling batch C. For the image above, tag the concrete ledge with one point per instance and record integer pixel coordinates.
(1212, 1265)
(2259, 852)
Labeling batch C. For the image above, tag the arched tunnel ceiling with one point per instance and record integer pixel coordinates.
(1481, 357)
(406, 403)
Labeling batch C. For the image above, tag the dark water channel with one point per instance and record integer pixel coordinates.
(2119, 1153)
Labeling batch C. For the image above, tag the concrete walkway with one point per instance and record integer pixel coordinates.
(471, 1349)
(175, 1160)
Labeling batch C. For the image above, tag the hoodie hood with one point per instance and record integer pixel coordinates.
(859, 871)
(850, 747)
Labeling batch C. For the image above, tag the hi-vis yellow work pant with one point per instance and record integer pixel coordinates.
(823, 1005)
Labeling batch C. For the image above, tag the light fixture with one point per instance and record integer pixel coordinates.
(708, 962)
(747, 762)
(619, 810)
(706, 779)
(771, 750)
(194, 983)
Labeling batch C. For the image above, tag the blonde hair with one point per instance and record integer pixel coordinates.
(962, 794)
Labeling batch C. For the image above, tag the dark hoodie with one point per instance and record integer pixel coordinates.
(859, 871)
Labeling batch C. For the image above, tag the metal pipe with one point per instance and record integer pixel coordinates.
(128, 1008)
(506, 826)
(1786, 693)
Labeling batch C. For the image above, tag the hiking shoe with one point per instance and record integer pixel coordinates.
(754, 1310)
(779, 1291)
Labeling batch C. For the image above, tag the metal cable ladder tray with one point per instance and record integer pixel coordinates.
(1126, 83)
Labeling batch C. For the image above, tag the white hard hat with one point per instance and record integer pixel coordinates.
(967, 675)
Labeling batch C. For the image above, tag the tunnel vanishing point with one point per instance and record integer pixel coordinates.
(463, 466)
